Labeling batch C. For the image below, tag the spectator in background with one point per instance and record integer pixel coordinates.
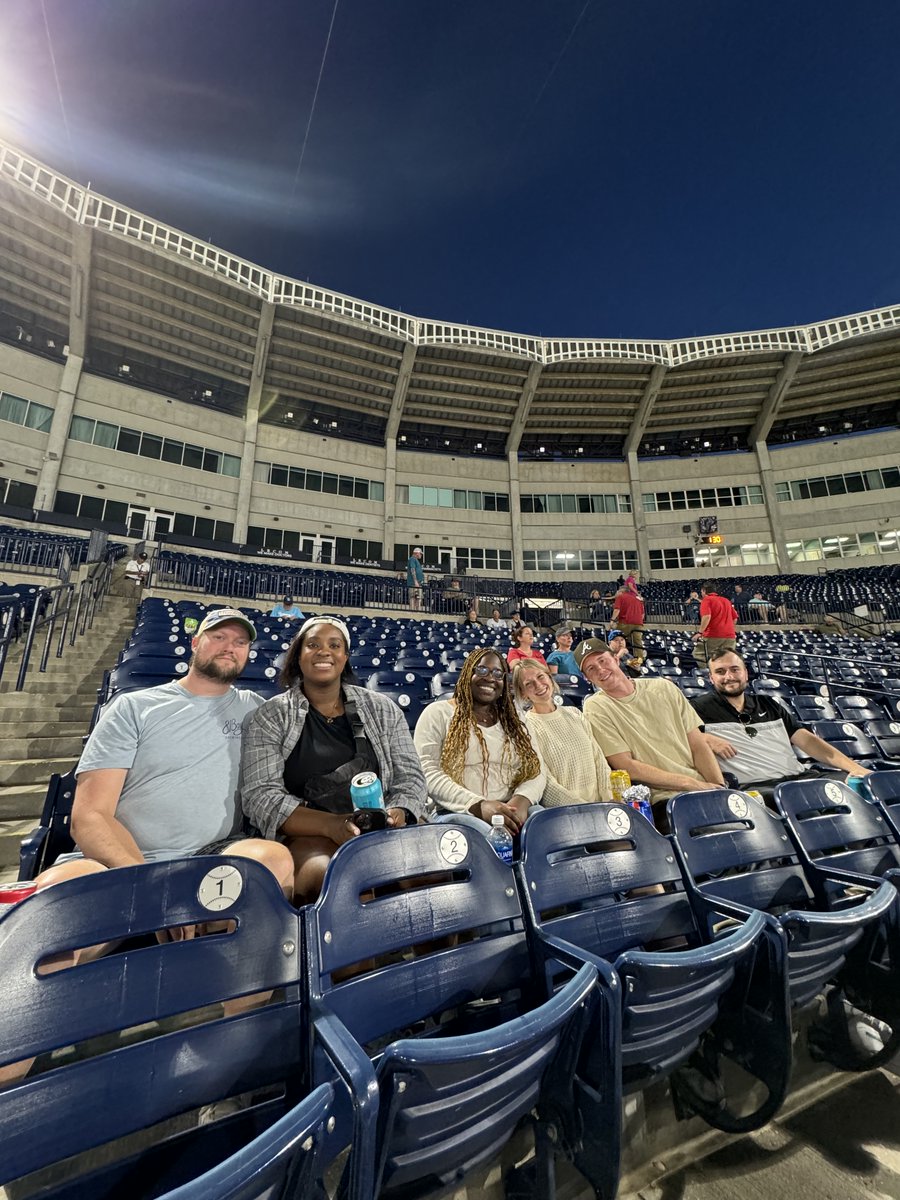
(415, 579)
(522, 646)
(477, 755)
(287, 608)
(691, 609)
(470, 620)
(137, 571)
(598, 608)
(561, 659)
(759, 609)
(515, 622)
(740, 602)
(496, 621)
(628, 617)
(717, 620)
(647, 728)
(577, 772)
(619, 647)
(304, 747)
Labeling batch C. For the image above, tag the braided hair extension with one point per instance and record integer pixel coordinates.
(463, 724)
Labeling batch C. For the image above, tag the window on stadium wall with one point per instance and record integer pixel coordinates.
(575, 502)
(150, 445)
(717, 497)
(25, 412)
(580, 560)
(457, 558)
(849, 483)
(308, 480)
(314, 547)
(115, 512)
(12, 491)
(434, 497)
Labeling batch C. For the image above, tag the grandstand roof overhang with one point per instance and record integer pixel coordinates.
(186, 316)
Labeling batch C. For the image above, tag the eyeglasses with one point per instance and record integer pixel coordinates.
(494, 672)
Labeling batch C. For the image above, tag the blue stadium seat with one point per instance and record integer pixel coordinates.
(41, 848)
(846, 737)
(859, 708)
(883, 787)
(836, 829)
(189, 1054)
(457, 1038)
(886, 736)
(741, 854)
(601, 879)
(812, 708)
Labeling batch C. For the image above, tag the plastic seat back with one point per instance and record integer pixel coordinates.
(883, 787)
(587, 871)
(886, 736)
(846, 737)
(41, 848)
(836, 827)
(735, 848)
(188, 1053)
(420, 969)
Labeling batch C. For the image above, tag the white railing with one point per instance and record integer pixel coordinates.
(81, 205)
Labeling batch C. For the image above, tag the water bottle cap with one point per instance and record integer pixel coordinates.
(497, 820)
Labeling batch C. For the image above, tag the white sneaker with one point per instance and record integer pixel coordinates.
(867, 1034)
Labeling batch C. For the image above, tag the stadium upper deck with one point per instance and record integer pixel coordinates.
(171, 313)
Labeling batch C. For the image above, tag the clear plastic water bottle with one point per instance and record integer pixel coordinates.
(501, 839)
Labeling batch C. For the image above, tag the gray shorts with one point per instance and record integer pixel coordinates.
(218, 847)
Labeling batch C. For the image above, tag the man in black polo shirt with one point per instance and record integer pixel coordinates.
(753, 735)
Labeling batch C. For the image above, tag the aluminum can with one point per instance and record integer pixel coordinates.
(12, 894)
(638, 796)
(365, 790)
(620, 781)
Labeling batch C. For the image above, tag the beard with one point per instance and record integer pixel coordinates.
(212, 668)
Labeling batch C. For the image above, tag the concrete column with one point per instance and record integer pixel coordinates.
(390, 497)
(251, 421)
(638, 515)
(515, 514)
(773, 514)
(401, 387)
(59, 432)
(79, 303)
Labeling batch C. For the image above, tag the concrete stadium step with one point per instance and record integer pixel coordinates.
(13, 749)
(11, 834)
(35, 770)
(20, 801)
(41, 715)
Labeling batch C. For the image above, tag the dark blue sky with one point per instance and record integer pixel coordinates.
(646, 168)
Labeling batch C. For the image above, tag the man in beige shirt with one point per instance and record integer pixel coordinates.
(647, 728)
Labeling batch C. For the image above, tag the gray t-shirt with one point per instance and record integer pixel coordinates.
(183, 755)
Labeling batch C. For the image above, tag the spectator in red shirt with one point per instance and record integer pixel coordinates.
(628, 618)
(717, 620)
(522, 639)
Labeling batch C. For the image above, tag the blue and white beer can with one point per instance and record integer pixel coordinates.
(366, 791)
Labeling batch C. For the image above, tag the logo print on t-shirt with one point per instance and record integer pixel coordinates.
(232, 729)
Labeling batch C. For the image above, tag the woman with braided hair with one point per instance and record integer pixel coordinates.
(476, 753)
